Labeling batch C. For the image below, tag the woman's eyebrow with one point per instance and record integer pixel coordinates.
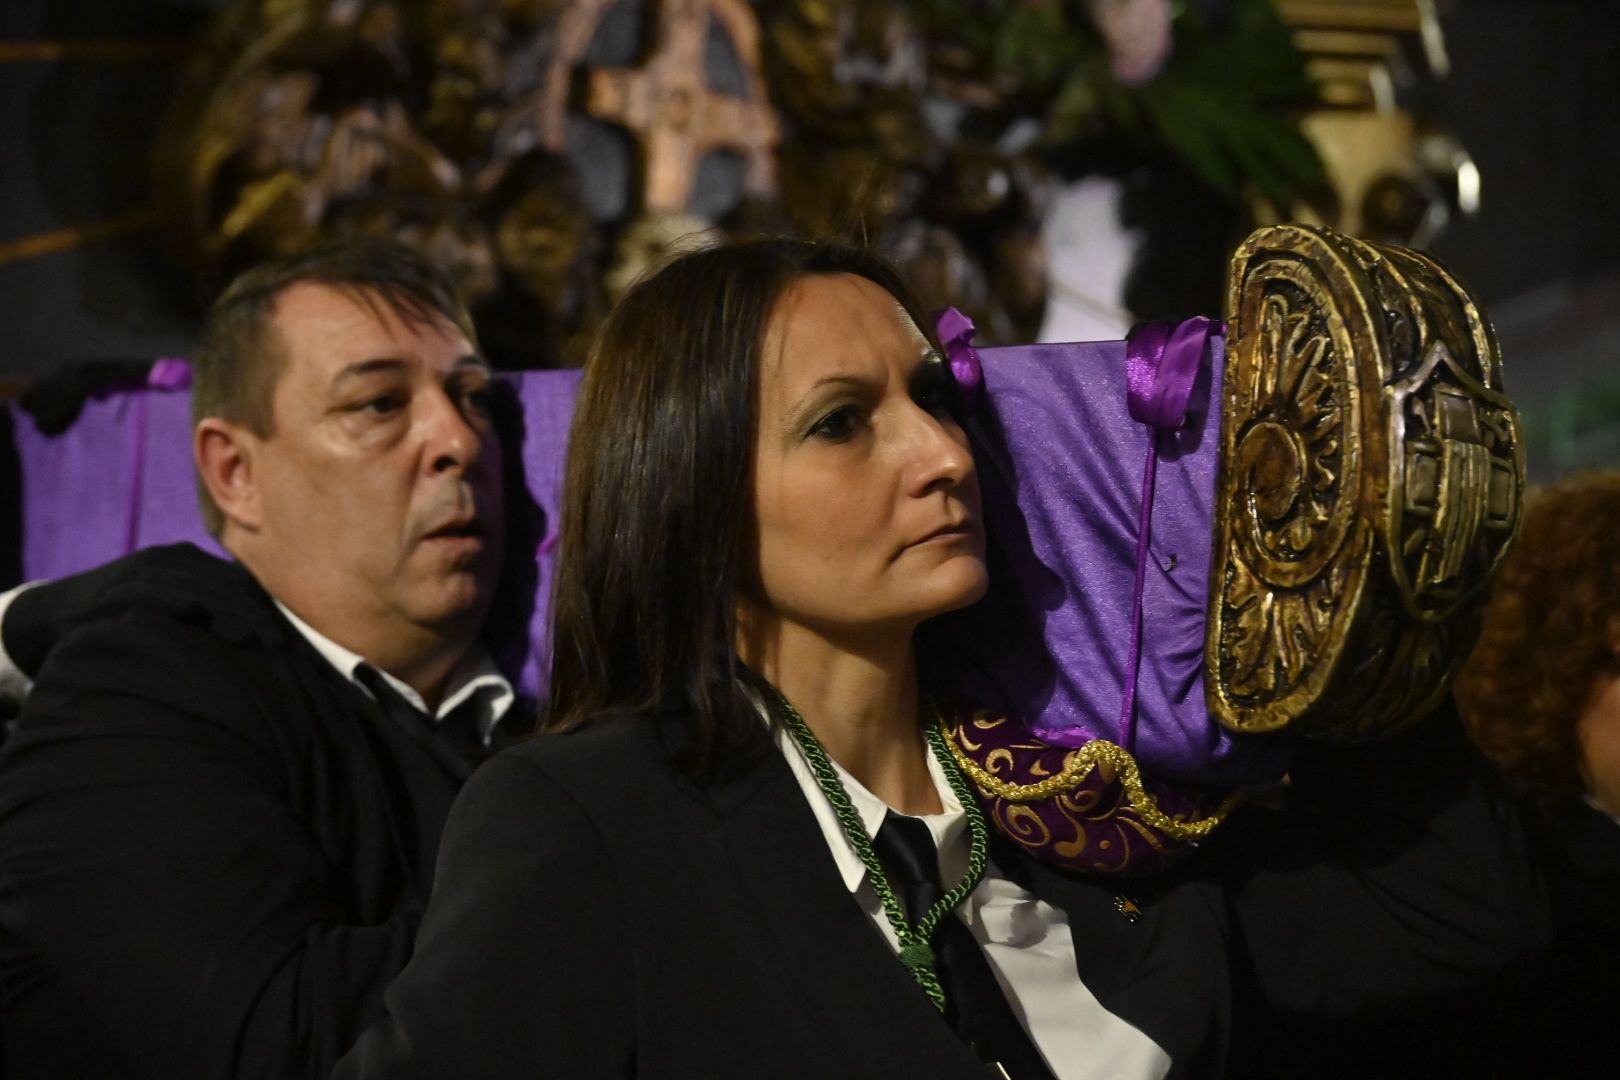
(810, 399)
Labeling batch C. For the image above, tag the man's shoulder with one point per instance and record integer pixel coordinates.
(173, 636)
(174, 589)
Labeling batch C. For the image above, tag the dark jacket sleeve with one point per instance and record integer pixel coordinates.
(524, 956)
(1399, 870)
(173, 579)
(151, 859)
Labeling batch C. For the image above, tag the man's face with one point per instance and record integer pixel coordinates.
(379, 484)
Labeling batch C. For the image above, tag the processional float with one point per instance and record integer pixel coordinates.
(1207, 542)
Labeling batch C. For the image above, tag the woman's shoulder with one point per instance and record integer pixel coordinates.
(623, 740)
(611, 758)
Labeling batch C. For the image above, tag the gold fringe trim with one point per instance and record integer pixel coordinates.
(1078, 765)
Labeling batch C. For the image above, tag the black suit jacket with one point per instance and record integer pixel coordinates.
(597, 914)
(214, 849)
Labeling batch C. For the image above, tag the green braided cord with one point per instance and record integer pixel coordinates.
(915, 951)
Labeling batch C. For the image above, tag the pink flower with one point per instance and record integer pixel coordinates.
(1138, 36)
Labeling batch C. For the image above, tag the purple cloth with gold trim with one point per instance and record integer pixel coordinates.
(1060, 462)
(1075, 689)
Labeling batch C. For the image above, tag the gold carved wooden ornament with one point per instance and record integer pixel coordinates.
(1371, 479)
(667, 103)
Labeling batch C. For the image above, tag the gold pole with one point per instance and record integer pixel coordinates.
(50, 52)
(47, 243)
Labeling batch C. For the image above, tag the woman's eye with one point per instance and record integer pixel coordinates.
(837, 425)
(934, 395)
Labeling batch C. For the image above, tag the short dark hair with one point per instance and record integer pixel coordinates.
(239, 359)
(657, 500)
(1549, 632)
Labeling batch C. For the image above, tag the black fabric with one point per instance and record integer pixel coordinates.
(975, 1007)
(1436, 901)
(598, 914)
(1543, 1017)
(56, 400)
(451, 741)
(214, 848)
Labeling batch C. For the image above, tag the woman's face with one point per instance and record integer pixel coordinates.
(865, 496)
(1598, 730)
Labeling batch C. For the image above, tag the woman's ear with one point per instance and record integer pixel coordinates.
(226, 454)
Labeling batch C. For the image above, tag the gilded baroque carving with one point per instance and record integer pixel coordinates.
(451, 124)
(1371, 479)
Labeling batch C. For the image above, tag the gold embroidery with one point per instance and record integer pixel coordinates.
(1077, 764)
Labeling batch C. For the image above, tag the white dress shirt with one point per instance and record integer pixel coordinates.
(14, 685)
(1026, 940)
(475, 679)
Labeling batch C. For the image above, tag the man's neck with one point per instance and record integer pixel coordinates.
(421, 657)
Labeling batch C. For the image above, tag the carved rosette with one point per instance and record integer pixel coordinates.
(1371, 477)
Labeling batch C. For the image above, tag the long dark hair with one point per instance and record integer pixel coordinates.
(658, 498)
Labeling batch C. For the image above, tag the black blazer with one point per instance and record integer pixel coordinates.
(214, 849)
(597, 915)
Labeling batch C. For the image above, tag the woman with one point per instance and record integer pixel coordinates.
(721, 868)
(1541, 696)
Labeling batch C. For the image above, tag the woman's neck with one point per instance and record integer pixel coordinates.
(861, 704)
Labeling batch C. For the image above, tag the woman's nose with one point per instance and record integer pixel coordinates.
(942, 457)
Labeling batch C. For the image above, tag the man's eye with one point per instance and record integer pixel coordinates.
(383, 404)
(837, 425)
(478, 400)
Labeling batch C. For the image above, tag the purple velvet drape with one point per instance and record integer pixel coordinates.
(1061, 464)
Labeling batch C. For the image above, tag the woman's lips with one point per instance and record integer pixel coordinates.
(947, 534)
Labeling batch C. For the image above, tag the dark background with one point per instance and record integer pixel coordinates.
(1533, 94)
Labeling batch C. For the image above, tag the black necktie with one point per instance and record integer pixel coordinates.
(452, 740)
(974, 1004)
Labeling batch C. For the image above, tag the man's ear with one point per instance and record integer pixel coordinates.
(226, 455)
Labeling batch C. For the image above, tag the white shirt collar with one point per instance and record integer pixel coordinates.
(948, 828)
(1589, 800)
(475, 678)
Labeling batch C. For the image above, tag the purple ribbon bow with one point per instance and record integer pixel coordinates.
(1162, 362)
(956, 334)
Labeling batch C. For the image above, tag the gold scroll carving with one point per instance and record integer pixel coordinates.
(1371, 479)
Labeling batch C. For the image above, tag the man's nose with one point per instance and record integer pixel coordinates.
(455, 441)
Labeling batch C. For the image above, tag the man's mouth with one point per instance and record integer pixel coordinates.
(461, 528)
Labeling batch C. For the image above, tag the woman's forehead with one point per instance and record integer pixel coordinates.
(837, 323)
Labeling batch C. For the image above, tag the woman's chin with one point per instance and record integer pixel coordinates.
(955, 585)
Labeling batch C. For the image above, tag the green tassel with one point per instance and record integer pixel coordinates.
(918, 957)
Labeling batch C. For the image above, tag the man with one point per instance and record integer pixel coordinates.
(220, 809)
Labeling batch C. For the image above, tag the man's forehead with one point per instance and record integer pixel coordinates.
(326, 327)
